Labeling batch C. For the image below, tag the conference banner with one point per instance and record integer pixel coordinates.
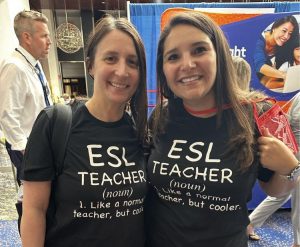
(247, 39)
(268, 42)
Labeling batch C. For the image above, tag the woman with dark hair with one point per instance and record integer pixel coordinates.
(206, 152)
(291, 57)
(273, 43)
(98, 198)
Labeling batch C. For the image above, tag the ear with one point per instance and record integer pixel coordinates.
(90, 67)
(91, 72)
(26, 38)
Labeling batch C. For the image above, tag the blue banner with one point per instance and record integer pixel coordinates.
(247, 37)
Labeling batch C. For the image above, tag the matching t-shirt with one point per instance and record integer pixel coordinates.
(99, 197)
(199, 197)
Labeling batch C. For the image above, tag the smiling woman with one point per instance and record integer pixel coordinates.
(182, 57)
(274, 43)
(104, 157)
(115, 71)
(203, 134)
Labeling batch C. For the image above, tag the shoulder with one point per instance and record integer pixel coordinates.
(14, 66)
(295, 107)
(296, 100)
(44, 117)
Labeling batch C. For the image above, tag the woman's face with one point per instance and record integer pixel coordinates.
(283, 33)
(297, 55)
(115, 68)
(189, 65)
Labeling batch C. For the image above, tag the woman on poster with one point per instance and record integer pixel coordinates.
(272, 43)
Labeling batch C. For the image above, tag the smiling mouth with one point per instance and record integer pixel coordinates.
(118, 85)
(283, 40)
(190, 79)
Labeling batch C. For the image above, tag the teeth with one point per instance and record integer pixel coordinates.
(190, 79)
(117, 85)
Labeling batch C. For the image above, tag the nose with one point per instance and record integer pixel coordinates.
(49, 41)
(121, 69)
(188, 62)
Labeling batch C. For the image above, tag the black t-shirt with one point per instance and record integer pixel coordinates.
(198, 198)
(100, 194)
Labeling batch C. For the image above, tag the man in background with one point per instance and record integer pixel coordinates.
(24, 90)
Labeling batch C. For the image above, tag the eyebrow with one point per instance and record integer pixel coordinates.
(112, 52)
(193, 45)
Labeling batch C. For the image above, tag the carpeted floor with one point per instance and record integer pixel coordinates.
(276, 232)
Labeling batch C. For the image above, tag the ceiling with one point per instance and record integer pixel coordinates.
(108, 4)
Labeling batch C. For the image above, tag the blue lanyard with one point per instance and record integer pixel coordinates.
(40, 76)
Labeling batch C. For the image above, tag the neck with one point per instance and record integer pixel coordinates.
(270, 44)
(105, 112)
(206, 112)
(201, 109)
(27, 48)
(201, 113)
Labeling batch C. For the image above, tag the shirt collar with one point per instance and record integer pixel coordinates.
(29, 57)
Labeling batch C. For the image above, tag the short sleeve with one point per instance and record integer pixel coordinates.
(264, 174)
(38, 160)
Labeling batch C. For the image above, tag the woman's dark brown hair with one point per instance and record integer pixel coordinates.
(138, 102)
(226, 90)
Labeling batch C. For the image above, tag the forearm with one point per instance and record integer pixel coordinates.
(278, 186)
(33, 228)
(269, 71)
(35, 205)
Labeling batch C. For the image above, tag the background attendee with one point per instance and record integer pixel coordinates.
(23, 86)
(271, 204)
(98, 197)
(22, 95)
(243, 71)
(204, 155)
(270, 44)
(65, 99)
(293, 56)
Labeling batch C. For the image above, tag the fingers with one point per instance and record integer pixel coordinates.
(267, 147)
(266, 132)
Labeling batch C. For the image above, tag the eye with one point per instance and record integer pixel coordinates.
(133, 63)
(199, 50)
(110, 59)
(172, 57)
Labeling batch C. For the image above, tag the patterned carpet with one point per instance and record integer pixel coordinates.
(9, 235)
(276, 232)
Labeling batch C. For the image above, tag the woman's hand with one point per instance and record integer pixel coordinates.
(275, 155)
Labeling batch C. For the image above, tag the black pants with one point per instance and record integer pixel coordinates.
(16, 158)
